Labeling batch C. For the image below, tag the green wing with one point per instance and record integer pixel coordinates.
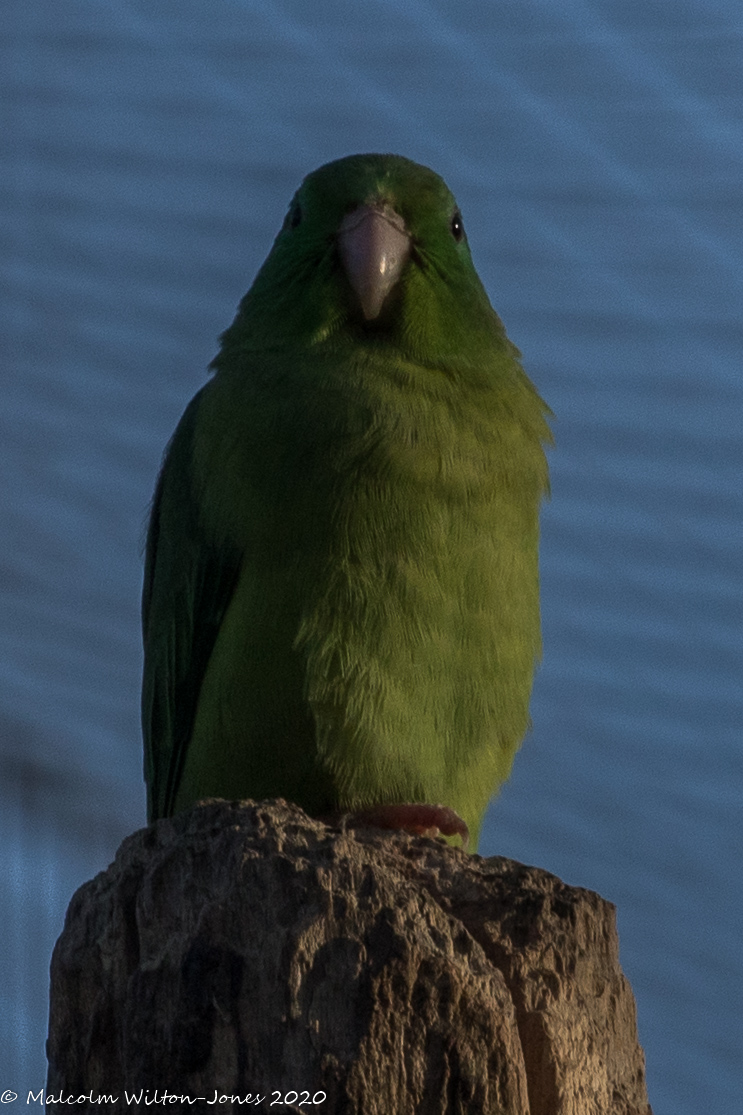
(188, 585)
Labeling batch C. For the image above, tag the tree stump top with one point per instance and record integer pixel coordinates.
(244, 949)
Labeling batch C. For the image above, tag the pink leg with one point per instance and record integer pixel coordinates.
(417, 817)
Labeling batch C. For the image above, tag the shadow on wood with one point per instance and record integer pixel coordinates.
(244, 949)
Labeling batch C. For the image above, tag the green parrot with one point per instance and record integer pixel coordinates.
(341, 597)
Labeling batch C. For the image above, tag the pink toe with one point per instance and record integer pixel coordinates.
(417, 817)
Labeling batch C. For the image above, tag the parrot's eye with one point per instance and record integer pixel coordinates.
(294, 216)
(457, 227)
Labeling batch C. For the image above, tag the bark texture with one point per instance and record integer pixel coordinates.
(244, 949)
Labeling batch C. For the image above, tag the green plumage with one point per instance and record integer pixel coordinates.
(341, 601)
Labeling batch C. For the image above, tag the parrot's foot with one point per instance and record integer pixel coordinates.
(416, 817)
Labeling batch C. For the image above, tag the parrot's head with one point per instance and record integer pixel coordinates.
(372, 250)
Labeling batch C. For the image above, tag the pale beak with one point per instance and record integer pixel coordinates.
(374, 246)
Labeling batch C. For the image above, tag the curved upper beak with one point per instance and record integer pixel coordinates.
(374, 245)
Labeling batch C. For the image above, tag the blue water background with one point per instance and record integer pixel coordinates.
(147, 153)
